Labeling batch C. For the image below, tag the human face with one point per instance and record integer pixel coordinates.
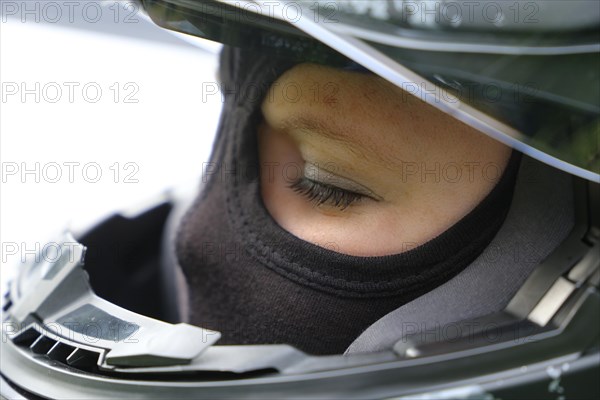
(361, 167)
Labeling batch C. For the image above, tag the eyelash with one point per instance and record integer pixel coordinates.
(320, 193)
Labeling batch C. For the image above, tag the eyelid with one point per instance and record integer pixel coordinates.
(317, 174)
(323, 194)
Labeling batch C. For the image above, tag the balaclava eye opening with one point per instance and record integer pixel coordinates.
(258, 284)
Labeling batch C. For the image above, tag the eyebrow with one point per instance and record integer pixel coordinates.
(345, 135)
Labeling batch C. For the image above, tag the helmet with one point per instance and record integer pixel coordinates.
(525, 73)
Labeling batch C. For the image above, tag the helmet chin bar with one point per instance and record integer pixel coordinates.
(60, 339)
(57, 310)
(537, 308)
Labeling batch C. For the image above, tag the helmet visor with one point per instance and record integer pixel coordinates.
(525, 73)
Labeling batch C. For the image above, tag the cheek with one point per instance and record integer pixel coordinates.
(281, 165)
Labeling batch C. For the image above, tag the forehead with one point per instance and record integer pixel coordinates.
(363, 112)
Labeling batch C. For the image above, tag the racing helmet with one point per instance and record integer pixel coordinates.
(524, 73)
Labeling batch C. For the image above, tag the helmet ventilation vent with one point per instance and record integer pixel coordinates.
(56, 350)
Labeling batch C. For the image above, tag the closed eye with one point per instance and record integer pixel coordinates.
(323, 194)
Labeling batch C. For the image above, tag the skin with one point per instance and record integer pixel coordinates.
(423, 169)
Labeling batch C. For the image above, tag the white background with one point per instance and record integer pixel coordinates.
(165, 136)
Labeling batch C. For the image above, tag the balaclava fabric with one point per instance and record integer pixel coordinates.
(258, 284)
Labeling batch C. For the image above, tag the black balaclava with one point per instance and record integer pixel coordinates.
(258, 284)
